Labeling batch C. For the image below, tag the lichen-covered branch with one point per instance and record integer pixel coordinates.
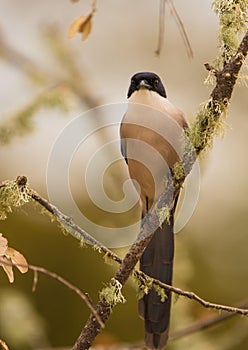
(190, 295)
(16, 193)
(208, 123)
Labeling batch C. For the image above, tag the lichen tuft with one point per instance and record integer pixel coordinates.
(112, 293)
(13, 194)
(209, 123)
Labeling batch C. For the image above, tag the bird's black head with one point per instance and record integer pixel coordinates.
(146, 80)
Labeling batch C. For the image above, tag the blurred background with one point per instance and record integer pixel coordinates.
(46, 81)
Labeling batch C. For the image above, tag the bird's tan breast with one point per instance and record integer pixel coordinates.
(151, 131)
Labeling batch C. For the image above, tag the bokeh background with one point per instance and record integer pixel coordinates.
(37, 60)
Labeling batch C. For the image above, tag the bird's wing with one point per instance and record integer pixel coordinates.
(123, 142)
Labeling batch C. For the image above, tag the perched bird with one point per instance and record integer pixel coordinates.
(151, 143)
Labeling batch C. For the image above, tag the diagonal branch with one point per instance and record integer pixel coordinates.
(201, 325)
(68, 224)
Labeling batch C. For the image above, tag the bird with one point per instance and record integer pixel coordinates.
(151, 134)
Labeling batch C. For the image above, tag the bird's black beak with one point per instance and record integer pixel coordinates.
(143, 84)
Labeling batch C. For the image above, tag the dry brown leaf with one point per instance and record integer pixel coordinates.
(77, 26)
(87, 30)
(9, 256)
(3, 245)
(17, 259)
(8, 268)
(82, 24)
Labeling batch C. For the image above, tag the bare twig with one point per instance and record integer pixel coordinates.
(181, 28)
(84, 296)
(179, 23)
(209, 322)
(161, 27)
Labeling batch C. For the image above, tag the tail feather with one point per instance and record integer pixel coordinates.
(157, 262)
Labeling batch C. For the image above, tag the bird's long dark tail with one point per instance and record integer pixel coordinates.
(157, 262)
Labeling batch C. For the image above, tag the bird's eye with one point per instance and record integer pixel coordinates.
(156, 82)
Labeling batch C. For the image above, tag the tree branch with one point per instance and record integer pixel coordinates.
(110, 295)
(69, 225)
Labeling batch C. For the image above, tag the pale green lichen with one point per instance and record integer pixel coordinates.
(209, 123)
(178, 171)
(233, 21)
(97, 248)
(46, 212)
(144, 283)
(12, 195)
(82, 242)
(68, 228)
(163, 215)
(112, 293)
(108, 259)
(161, 292)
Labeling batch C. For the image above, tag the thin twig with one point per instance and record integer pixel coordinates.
(181, 29)
(84, 296)
(206, 304)
(35, 281)
(161, 27)
(179, 23)
(201, 325)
